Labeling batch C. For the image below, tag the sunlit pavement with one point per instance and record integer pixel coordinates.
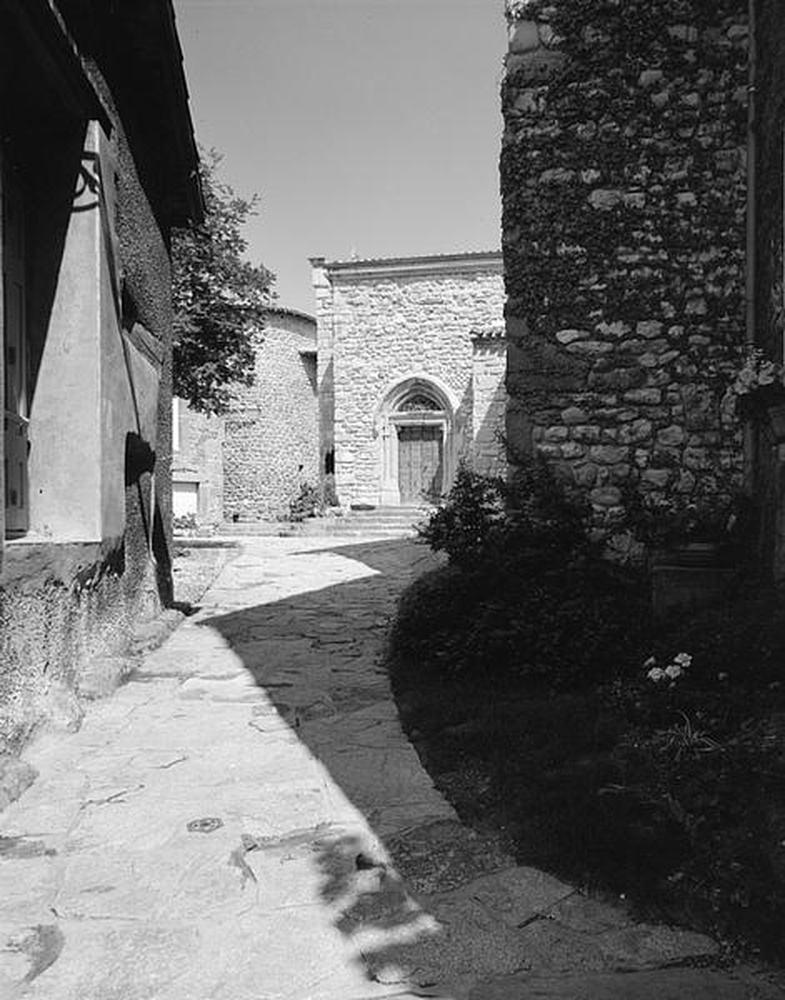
(245, 820)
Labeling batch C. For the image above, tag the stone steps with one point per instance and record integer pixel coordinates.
(387, 522)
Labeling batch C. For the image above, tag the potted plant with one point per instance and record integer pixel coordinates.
(758, 391)
(692, 540)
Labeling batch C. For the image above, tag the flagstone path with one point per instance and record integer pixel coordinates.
(245, 820)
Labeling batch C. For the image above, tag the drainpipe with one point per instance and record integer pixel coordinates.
(749, 434)
(751, 186)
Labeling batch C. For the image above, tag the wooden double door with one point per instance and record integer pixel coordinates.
(420, 462)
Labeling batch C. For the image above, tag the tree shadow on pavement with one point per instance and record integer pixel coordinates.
(315, 642)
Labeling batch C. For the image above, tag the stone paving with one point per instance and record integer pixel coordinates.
(245, 820)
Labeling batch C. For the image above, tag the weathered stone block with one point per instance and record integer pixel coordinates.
(605, 199)
(657, 477)
(586, 432)
(574, 415)
(635, 432)
(606, 496)
(569, 336)
(606, 454)
(671, 436)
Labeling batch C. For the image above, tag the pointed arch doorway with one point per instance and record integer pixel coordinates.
(416, 429)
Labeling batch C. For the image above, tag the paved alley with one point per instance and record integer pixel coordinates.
(245, 820)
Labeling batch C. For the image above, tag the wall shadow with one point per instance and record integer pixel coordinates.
(318, 654)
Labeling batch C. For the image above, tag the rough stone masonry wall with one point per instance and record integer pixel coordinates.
(271, 445)
(623, 185)
(489, 398)
(387, 329)
(769, 111)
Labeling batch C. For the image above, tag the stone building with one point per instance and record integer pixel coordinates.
(251, 463)
(411, 366)
(642, 237)
(98, 162)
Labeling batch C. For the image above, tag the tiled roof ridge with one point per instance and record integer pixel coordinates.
(286, 311)
(397, 258)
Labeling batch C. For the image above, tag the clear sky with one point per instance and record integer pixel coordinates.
(366, 126)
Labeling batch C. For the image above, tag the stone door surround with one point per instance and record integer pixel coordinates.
(416, 401)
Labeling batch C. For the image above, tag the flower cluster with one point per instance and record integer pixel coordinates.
(672, 672)
(757, 372)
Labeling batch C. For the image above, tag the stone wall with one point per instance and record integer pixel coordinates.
(383, 322)
(270, 446)
(624, 191)
(489, 401)
(768, 263)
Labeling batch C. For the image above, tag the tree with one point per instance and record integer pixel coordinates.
(220, 300)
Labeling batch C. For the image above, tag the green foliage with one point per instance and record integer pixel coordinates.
(638, 756)
(307, 503)
(486, 521)
(184, 522)
(711, 513)
(527, 595)
(219, 299)
(463, 526)
(741, 645)
(670, 792)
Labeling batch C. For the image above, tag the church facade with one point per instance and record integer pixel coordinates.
(411, 371)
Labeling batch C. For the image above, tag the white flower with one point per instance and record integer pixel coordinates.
(650, 662)
(655, 674)
(683, 659)
(673, 670)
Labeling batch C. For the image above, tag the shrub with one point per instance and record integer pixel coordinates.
(744, 644)
(527, 595)
(464, 524)
(307, 503)
(533, 518)
(184, 522)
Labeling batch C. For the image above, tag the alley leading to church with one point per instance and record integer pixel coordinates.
(246, 820)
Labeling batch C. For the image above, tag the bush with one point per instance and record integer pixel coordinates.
(534, 519)
(465, 523)
(307, 503)
(527, 595)
(743, 644)
(184, 522)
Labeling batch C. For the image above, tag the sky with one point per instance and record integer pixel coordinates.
(366, 127)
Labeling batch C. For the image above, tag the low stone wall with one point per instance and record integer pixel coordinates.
(624, 194)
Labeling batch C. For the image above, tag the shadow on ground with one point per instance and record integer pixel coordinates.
(318, 654)
(428, 907)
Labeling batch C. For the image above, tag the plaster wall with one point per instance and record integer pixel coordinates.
(66, 411)
(100, 322)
